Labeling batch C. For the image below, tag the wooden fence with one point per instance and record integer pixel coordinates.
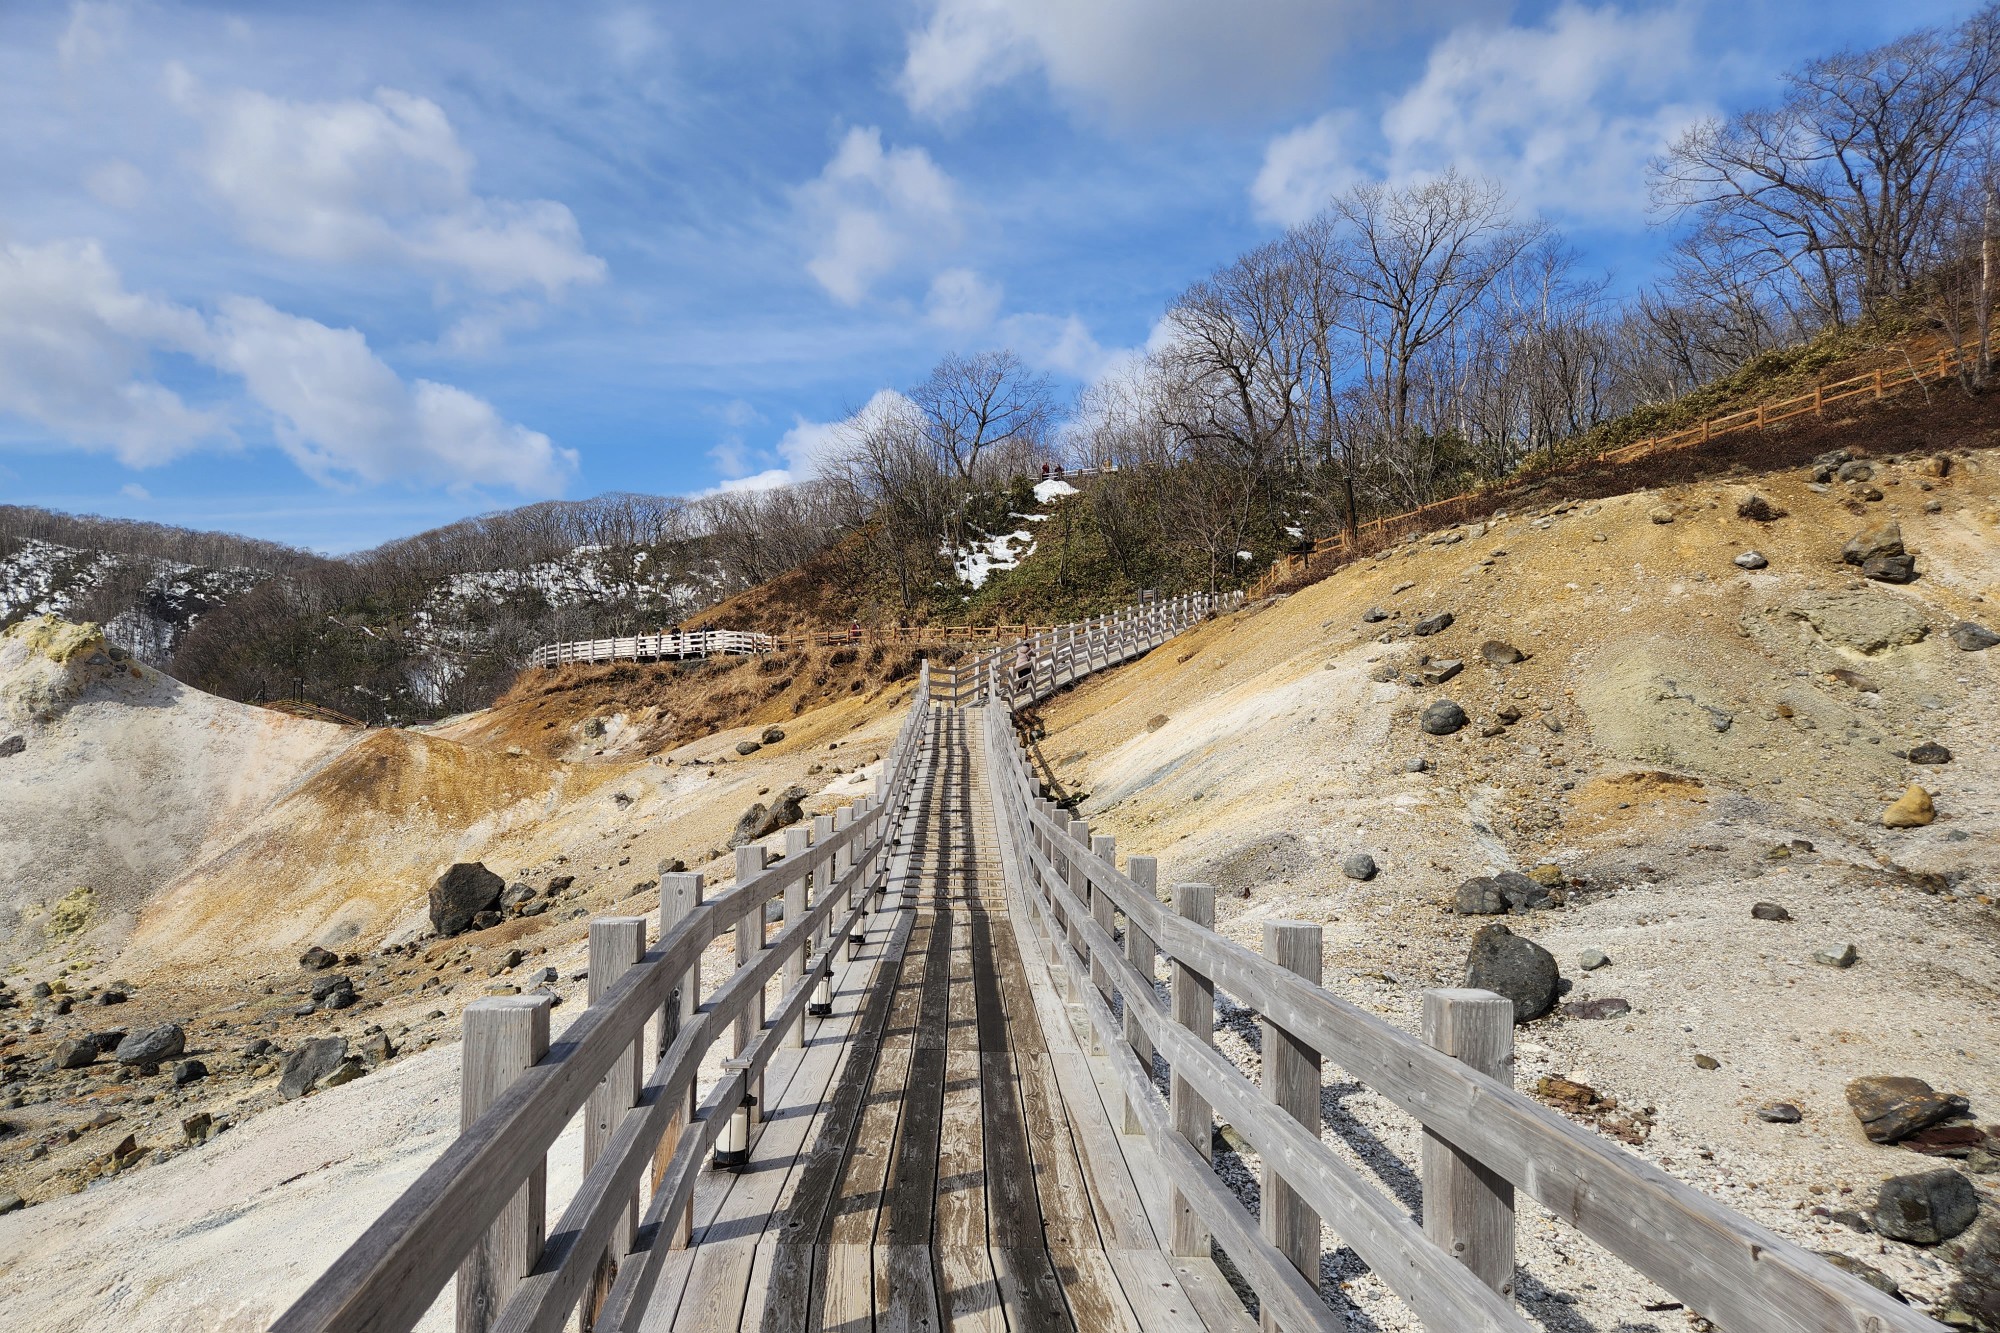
(1482, 1142)
(478, 1212)
(1872, 386)
(1058, 655)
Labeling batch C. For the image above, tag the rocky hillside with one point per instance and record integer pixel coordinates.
(1723, 751)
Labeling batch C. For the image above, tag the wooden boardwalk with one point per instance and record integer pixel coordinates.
(938, 1156)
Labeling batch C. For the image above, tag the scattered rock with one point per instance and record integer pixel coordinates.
(748, 747)
(1440, 670)
(1548, 874)
(1973, 1301)
(375, 1048)
(1442, 718)
(1930, 752)
(198, 1127)
(1381, 673)
(305, 1067)
(1706, 1062)
(1855, 471)
(1948, 1141)
(188, 1071)
(1925, 1208)
(76, 1053)
(1973, 637)
(1565, 1090)
(1592, 959)
(772, 735)
(1415, 765)
(1913, 809)
(317, 959)
(1358, 865)
(345, 1072)
(1519, 969)
(516, 895)
(461, 894)
(1497, 653)
(326, 987)
(1883, 540)
(152, 1047)
(1755, 507)
(1752, 560)
(1769, 912)
(1661, 514)
(1868, 1273)
(1609, 1007)
(1374, 615)
(1844, 956)
(559, 884)
(484, 920)
(10, 747)
(1779, 1113)
(11, 1202)
(1893, 1107)
(1890, 568)
(1430, 625)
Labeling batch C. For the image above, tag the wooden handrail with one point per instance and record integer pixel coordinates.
(1732, 1270)
(389, 1276)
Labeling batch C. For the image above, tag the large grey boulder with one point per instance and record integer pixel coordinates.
(1884, 540)
(1521, 970)
(461, 893)
(153, 1046)
(310, 1063)
(1442, 718)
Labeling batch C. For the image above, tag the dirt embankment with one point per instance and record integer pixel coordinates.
(1683, 738)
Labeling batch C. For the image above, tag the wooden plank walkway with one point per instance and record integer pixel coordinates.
(935, 1158)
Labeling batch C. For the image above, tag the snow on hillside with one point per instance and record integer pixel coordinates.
(47, 578)
(977, 563)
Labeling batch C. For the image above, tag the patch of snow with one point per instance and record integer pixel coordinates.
(977, 564)
(1054, 487)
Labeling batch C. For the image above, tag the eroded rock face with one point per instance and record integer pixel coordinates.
(1892, 1107)
(462, 893)
(1519, 969)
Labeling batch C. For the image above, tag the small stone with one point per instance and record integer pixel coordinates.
(1883, 540)
(1548, 874)
(11, 1202)
(312, 1062)
(772, 735)
(516, 895)
(152, 1047)
(1926, 1207)
(1415, 765)
(560, 884)
(1890, 568)
(375, 1048)
(1758, 509)
(1769, 912)
(480, 921)
(1441, 670)
(1381, 673)
(1519, 969)
(1844, 956)
(1609, 1007)
(748, 747)
(1661, 514)
(1855, 471)
(188, 1071)
(1779, 1113)
(1565, 1090)
(1893, 1107)
(1592, 959)
(345, 1072)
(542, 976)
(12, 746)
(1912, 810)
(1497, 653)
(197, 1127)
(317, 959)
(1752, 560)
(1442, 718)
(76, 1053)
(1930, 752)
(1432, 624)
(1358, 865)
(1374, 615)
(1973, 637)
(326, 986)
(1707, 1062)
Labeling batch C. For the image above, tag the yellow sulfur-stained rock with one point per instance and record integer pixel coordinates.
(1913, 809)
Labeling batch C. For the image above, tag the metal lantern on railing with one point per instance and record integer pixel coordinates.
(821, 1005)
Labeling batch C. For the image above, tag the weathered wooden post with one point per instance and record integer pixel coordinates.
(824, 878)
(796, 842)
(1078, 881)
(504, 1037)
(750, 943)
(1194, 1009)
(680, 894)
(1469, 1210)
(616, 944)
(1291, 1081)
(1104, 912)
(1141, 953)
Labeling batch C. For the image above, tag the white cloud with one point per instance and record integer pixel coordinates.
(631, 34)
(806, 449)
(132, 490)
(76, 350)
(383, 178)
(94, 29)
(1565, 114)
(1143, 60)
(873, 211)
(961, 301)
(1305, 167)
(341, 412)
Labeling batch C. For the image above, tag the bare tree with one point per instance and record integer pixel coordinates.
(976, 411)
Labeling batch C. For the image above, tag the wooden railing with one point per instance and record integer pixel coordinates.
(1876, 384)
(655, 647)
(1482, 1139)
(479, 1210)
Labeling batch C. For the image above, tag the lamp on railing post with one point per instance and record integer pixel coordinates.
(732, 1146)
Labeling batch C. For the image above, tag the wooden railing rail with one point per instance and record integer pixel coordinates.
(475, 1210)
(1875, 384)
(1483, 1139)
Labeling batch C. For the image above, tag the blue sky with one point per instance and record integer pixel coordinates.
(330, 275)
